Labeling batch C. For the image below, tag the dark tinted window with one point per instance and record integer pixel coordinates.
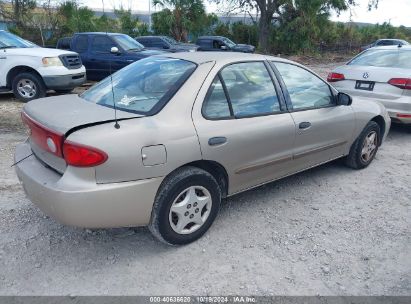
(101, 44)
(81, 44)
(158, 42)
(306, 90)
(204, 42)
(216, 104)
(144, 41)
(250, 89)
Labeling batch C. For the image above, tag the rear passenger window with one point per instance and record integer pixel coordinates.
(306, 90)
(250, 92)
(81, 44)
(216, 104)
(250, 89)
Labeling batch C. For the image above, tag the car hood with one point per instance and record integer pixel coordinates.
(247, 47)
(147, 52)
(38, 52)
(63, 113)
(185, 46)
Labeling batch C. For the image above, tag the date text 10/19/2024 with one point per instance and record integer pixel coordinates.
(205, 299)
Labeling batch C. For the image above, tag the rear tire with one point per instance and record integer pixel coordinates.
(365, 147)
(28, 86)
(185, 206)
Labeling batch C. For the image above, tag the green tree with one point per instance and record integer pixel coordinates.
(128, 23)
(181, 17)
(273, 11)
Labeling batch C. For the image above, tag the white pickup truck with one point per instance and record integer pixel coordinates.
(29, 71)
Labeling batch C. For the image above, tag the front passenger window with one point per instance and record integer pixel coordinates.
(305, 89)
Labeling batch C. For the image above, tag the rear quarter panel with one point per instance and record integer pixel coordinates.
(172, 127)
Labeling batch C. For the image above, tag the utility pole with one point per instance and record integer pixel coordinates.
(149, 15)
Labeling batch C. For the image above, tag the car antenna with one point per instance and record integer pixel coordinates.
(116, 124)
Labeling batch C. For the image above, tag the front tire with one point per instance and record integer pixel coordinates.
(28, 86)
(365, 147)
(185, 206)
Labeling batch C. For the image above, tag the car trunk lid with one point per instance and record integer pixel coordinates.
(52, 119)
(380, 76)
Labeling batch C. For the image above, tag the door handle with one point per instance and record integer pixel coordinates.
(304, 125)
(215, 141)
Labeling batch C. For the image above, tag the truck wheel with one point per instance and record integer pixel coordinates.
(28, 86)
(185, 206)
(365, 147)
(67, 91)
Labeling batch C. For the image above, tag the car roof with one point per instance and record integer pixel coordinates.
(98, 33)
(390, 39)
(151, 36)
(202, 57)
(211, 37)
(392, 47)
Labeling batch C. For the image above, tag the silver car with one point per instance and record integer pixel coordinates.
(164, 140)
(380, 74)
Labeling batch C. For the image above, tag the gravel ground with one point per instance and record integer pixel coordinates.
(329, 231)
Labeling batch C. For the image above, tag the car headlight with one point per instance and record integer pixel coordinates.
(51, 61)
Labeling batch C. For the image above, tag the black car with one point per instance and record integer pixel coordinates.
(165, 43)
(220, 43)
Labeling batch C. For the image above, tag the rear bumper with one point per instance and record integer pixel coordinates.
(64, 82)
(75, 199)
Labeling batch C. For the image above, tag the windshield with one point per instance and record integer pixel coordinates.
(8, 40)
(128, 43)
(228, 42)
(170, 40)
(143, 87)
(394, 58)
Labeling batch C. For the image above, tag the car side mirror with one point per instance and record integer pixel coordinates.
(344, 99)
(223, 47)
(114, 50)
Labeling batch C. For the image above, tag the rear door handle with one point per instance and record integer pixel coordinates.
(304, 125)
(215, 141)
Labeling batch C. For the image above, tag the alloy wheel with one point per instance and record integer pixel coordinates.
(26, 88)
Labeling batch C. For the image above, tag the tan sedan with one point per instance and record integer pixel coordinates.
(164, 140)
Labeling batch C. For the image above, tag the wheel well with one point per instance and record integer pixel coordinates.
(216, 170)
(381, 122)
(17, 70)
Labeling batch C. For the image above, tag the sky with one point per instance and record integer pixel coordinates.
(398, 12)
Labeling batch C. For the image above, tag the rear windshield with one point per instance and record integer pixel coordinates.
(395, 58)
(143, 87)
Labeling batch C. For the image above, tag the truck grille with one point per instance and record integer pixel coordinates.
(71, 61)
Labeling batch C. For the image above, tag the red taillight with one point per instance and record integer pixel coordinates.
(82, 156)
(402, 83)
(44, 137)
(334, 77)
(400, 115)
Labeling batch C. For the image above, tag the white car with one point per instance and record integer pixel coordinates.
(381, 74)
(29, 71)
